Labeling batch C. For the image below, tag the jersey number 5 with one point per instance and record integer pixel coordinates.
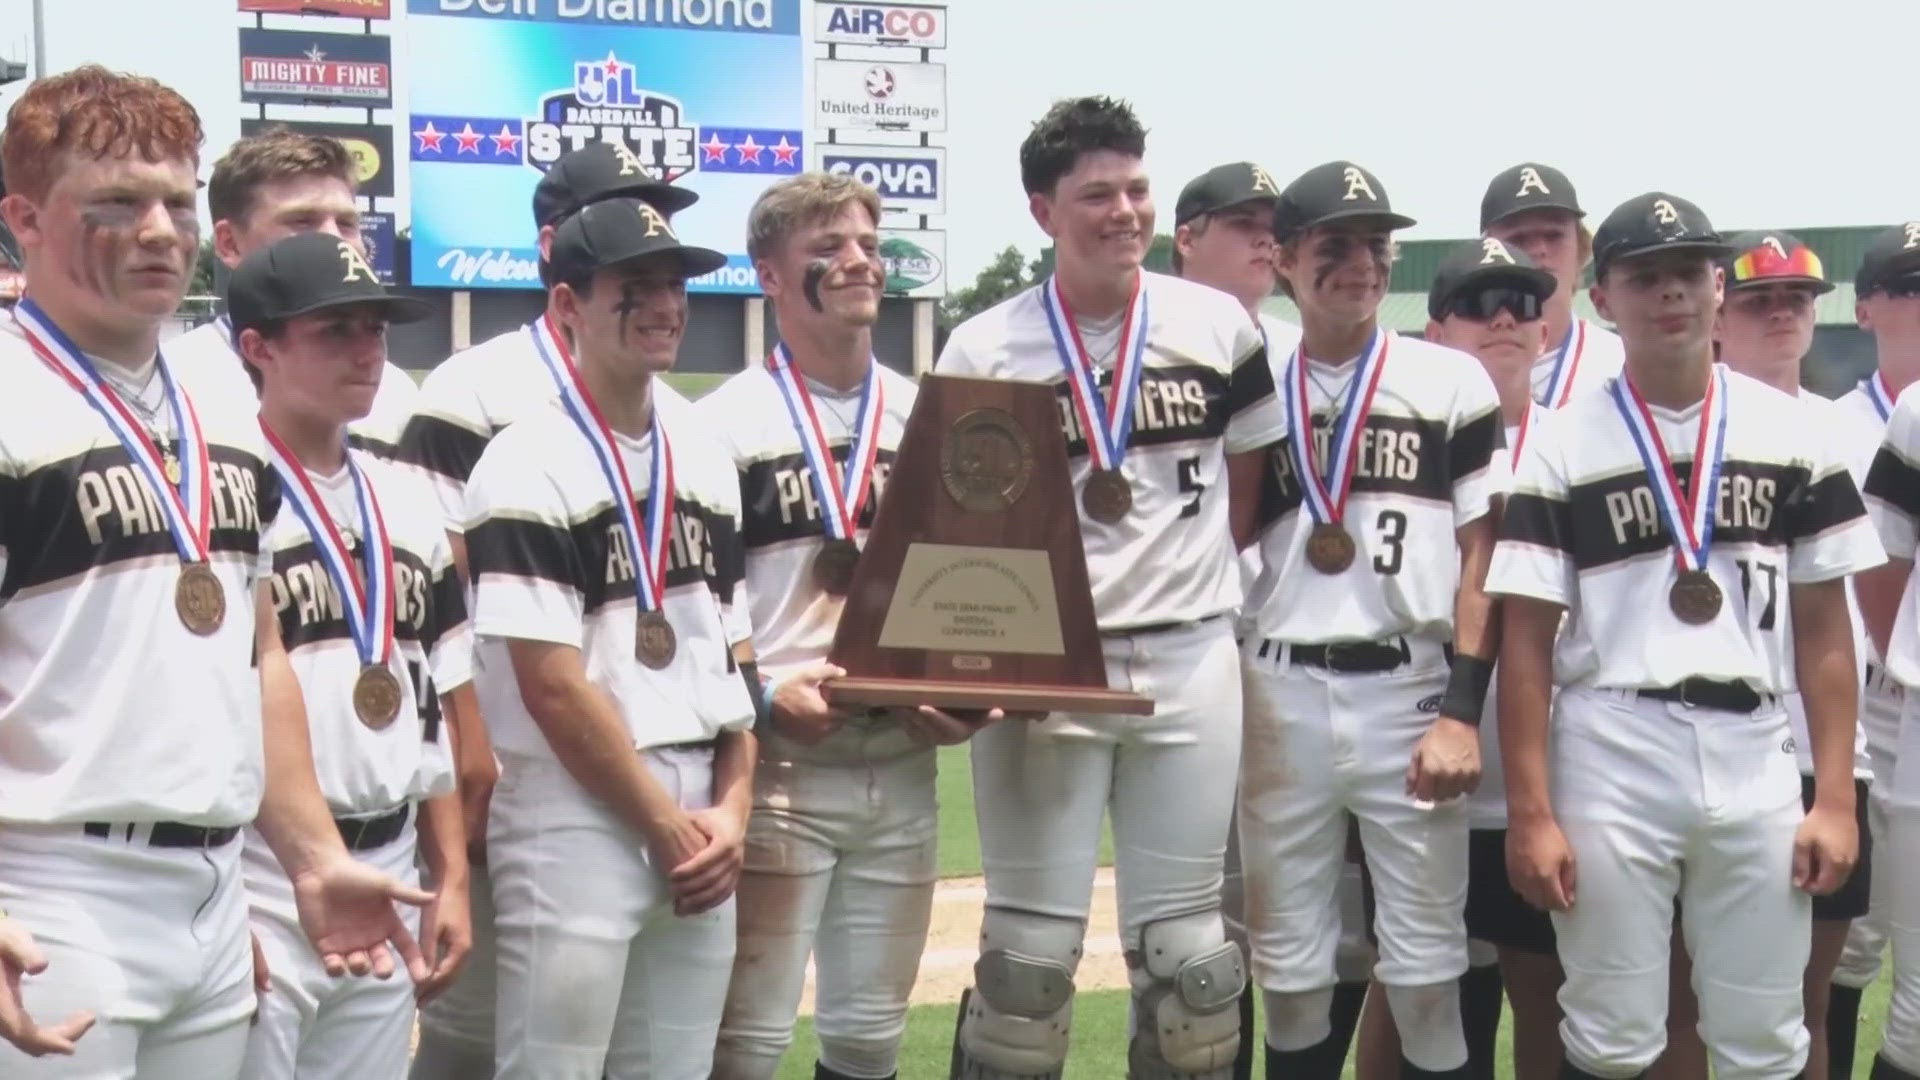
(1189, 470)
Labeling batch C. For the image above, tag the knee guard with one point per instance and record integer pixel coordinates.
(1016, 1020)
(1187, 981)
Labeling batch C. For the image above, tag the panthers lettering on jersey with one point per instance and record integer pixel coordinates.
(1205, 391)
(1430, 460)
(362, 770)
(100, 684)
(550, 562)
(1581, 529)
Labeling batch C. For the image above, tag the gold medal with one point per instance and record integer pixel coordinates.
(170, 467)
(1694, 597)
(376, 696)
(1107, 497)
(833, 566)
(654, 641)
(1329, 549)
(198, 599)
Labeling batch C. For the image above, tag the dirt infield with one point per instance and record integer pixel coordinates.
(946, 968)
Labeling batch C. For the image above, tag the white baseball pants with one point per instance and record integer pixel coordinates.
(312, 1025)
(1881, 703)
(152, 940)
(1661, 801)
(839, 866)
(597, 975)
(456, 1028)
(1900, 866)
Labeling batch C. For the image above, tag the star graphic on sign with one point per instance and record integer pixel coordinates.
(783, 151)
(715, 149)
(314, 54)
(749, 150)
(613, 66)
(468, 139)
(430, 139)
(506, 143)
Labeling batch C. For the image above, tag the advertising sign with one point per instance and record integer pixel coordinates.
(916, 262)
(329, 69)
(877, 94)
(708, 94)
(910, 178)
(377, 236)
(922, 26)
(354, 9)
(370, 144)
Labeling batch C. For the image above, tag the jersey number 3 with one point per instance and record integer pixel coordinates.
(1393, 534)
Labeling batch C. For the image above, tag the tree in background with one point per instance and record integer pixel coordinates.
(1004, 277)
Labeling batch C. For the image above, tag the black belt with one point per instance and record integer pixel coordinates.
(1347, 657)
(365, 834)
(168, 834)
(1701, 693)
(1157, 627)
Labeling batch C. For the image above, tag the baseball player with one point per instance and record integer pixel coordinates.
(1489, 300)
(604, 539)
(274, 184)
(1695, 532)
(1887, 305)
(463, 404)
(374, 622)
(1164, 393)
(1372, 643)
(839, 858)
(132, 667)
(1223, 237)
(1534, 208)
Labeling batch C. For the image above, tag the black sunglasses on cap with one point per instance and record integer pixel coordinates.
(1481, 305)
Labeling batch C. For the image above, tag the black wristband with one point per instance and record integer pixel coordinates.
(762, 713)
(1467, 683)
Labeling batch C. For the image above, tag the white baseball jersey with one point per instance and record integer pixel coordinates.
(468, 399)
(782, 527)
(1582, 530)
(1205, 391)
(206, 363)
(1589, 355)
(1429, 462)
(1280, 338)
(1487, 803)
(1893, 501)
(550, 562)
(110, 709)
(362, 770)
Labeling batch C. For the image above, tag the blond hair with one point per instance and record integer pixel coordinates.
(799, 201)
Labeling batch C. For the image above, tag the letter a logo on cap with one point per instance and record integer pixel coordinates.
(1530, 181)
(1357, 183)
(357, 268)
(1774, 243)
(1664, 213)
(1913, 235)
(1263, 181)
(1493, 251)
(656, 224)
(629, 164)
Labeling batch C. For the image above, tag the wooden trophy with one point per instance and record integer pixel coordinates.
(972, 591)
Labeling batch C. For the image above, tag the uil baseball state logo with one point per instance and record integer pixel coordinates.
(607, 104)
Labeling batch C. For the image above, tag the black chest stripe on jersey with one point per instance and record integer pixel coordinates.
(1179, 404)
(1613, 519)
(780, 503)
(592, 557)
(310, 609)
(441, 447)
(1399, 455)
(1895, 481)
(95, 509)
(379, 448)
(1473, 444)
(1252, 383)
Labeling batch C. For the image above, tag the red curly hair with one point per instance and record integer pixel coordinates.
(97, 113)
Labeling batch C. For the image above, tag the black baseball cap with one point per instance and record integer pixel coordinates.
(597, 171)
(1223, 186)
(1652, 222)
(1893, 255)
(1528, 186)
(305, 273)
(1773, 258)
(1336, 191)
(1479, 264)
(623, 230)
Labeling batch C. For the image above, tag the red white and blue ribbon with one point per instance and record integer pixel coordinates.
(648, 545)
(368, 597)
(187, 506)
(1107, 421)
(1689, 517)
(1528, 418)
(1325, 492)
(1566, 365)
(1876, 386)
(841, 496)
